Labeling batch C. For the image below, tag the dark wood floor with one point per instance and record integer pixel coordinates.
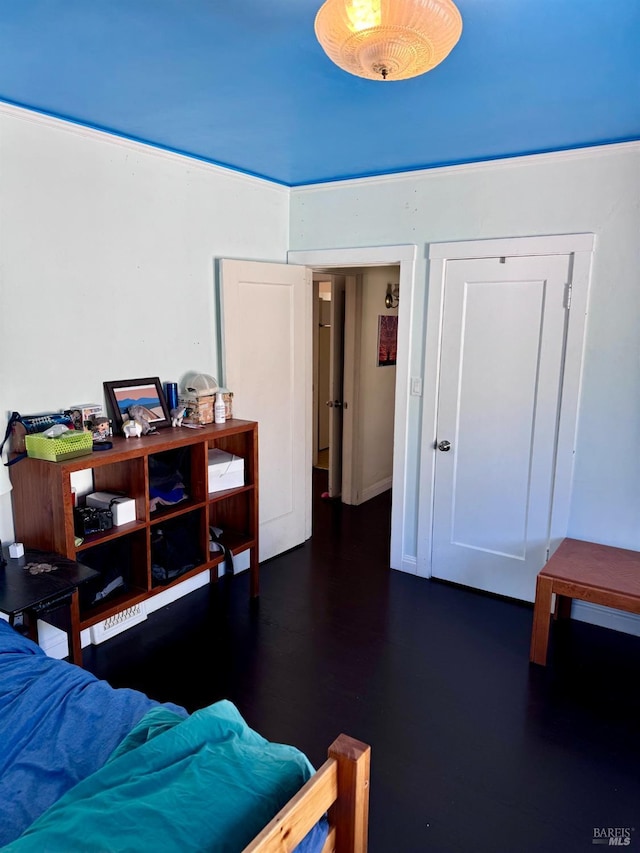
(472, 749)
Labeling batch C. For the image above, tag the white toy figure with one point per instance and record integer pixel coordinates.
(131, 429)
(177, 415)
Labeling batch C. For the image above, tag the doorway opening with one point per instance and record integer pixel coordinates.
(322, 396)
(403, 478)
(355, 343)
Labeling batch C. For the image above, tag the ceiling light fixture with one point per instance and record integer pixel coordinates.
(388, 39)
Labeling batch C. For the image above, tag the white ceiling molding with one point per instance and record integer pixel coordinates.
(112, 138)
(481, 165)
(88, 132)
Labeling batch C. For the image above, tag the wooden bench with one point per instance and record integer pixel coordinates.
(587, 571)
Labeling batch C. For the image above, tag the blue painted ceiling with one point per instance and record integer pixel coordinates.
(244, 83)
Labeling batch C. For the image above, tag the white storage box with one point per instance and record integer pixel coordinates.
(122, 508)
(226, 471)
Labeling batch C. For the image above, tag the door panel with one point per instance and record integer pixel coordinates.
(500, 385)
(266, 321)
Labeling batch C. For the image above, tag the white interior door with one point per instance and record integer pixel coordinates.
(266, 330)
(335, 400)
(503, 342)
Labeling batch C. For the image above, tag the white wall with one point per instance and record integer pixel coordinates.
(107, 255)
(595, 190)
(106, 271)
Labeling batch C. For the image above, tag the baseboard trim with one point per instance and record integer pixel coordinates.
(606, 617)
(376, 489)
(173, 593)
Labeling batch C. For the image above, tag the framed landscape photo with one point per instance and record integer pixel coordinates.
(137, 392)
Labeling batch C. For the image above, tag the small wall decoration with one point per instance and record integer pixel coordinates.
(144, 393)
(387, 340)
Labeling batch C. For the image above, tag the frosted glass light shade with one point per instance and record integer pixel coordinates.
(388, 39)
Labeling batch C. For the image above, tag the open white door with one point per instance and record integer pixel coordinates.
(266, 313)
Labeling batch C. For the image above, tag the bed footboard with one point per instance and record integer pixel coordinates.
(341, 788)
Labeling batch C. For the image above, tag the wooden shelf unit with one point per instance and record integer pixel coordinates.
(43, 505)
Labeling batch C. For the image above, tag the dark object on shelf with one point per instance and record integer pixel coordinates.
(112, 580)
(175, 549)
(89, 519)
(112, 560)
(216, 543)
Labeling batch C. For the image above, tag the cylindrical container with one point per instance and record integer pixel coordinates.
(219, 409)
(227, 396)
(171, 393)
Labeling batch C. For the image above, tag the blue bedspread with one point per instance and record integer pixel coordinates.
(205, 783)
(85, 767)
(58, 724)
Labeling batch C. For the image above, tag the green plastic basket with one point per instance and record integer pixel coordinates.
(76, 442)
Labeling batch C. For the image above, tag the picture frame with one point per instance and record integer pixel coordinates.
(387, 340)
(147, 392)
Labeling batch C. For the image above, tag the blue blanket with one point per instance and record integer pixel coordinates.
(58, 724)
(84, 766)
(205, 783)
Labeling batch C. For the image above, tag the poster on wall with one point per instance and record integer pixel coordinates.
(387, 340)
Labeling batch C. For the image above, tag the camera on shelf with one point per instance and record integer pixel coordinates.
(90, 519)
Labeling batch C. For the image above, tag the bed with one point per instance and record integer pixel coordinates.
(84, 766)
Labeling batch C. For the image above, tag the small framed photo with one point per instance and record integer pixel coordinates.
(387, 340)
(147, 393)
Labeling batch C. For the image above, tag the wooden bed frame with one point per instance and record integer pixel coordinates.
(341, 787)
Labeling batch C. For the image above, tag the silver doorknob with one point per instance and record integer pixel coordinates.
(329, 403)
(444, 446)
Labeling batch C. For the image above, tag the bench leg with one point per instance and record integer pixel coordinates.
(563, 607)
(541, 621)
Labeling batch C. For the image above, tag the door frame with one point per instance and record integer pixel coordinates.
(337, 282)
(316, 279)
(351, 462)
(404, 255)
(580, 247)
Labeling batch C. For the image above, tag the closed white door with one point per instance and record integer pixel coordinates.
(503, 343)
(266, 326)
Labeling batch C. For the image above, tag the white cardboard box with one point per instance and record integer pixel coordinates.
(226, 471)
(123, 509)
